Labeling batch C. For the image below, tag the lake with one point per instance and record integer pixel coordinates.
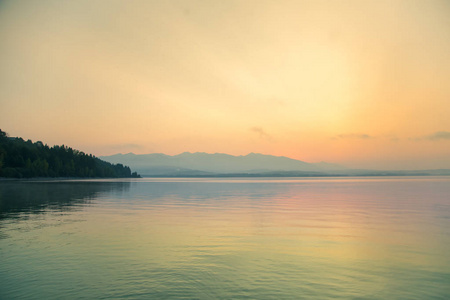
(227, 238)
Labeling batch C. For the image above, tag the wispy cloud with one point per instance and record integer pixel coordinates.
(261, 133)
(392, 137)
(361, 136)
(438, 135)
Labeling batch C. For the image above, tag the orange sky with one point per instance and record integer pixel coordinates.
(361, 83)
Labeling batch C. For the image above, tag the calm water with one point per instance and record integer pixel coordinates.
(333, 238)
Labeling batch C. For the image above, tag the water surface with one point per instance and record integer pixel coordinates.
(321, 238)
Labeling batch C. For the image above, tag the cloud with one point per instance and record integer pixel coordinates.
(438, 135)
(261, 133)
(392, 137)
(361, 136)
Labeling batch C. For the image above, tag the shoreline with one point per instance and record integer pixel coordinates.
(6, 179)
(34, 179)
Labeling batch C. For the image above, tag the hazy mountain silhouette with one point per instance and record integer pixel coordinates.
(201, 163)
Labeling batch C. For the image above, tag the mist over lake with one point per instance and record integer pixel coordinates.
(222, 238)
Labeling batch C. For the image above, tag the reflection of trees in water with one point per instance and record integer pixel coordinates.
(37, 197)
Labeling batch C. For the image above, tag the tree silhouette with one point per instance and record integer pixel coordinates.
(24, 159)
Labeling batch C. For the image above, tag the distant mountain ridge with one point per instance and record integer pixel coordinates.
(201, 163)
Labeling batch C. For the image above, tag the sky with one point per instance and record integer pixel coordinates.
(365, 84)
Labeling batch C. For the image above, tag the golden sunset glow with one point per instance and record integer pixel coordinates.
(365, 84)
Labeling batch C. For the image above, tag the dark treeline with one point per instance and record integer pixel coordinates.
(25, 159)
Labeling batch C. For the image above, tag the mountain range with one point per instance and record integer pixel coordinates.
(254, 164)
(218, 163)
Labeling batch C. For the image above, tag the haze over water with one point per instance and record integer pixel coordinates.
(324, 238)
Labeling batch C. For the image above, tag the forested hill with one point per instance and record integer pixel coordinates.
(25, 159)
